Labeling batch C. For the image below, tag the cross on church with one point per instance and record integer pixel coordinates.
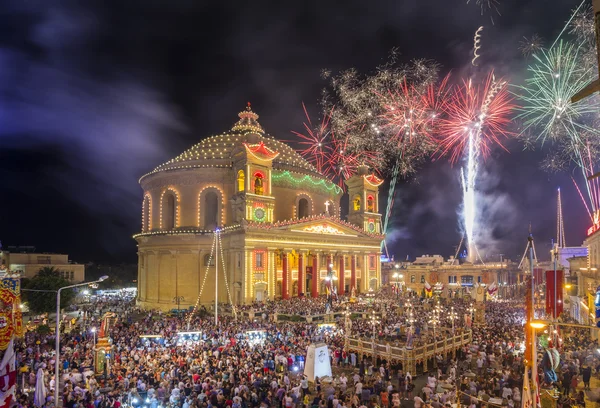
(595, 85)
(327, 204)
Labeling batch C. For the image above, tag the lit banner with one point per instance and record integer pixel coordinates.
(554, 285)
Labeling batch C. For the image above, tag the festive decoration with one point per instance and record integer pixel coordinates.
(554, 293)
(323, 229)
(306, 181)
(260, 151)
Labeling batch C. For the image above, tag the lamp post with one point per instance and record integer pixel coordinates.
(57, 338)
(329, 279)
(398, 276)
(452, 316)
(374, 322)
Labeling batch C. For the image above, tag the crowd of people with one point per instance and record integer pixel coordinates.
(223, 366)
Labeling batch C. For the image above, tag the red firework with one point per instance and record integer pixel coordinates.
(486, 110)
(315, 139)
(412, 113)
(341, 162)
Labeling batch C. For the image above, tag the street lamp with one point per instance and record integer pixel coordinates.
(452, 316)
(398, 276)
(94, 333)
(57, 339)
(374, 322)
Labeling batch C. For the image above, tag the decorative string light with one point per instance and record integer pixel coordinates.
(307, 181)
(176, 204)
(225, 274)
(221, 196)
(147, 213)
(212, 250)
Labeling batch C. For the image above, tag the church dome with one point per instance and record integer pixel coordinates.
(218, 150)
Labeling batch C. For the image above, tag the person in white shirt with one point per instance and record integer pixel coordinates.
(359, 387)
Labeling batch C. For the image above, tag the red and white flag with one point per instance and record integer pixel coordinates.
(8, 377)
(492, 289)
(427, 287)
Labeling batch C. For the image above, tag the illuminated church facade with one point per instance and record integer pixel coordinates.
(278, 223)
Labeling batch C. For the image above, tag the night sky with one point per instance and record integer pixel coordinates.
(95, 93)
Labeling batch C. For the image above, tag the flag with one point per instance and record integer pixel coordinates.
(427, 287)
(492, 289)
(554, 285)
(526, 394)
(8, 377)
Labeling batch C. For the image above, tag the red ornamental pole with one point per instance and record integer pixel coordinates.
(300, 274)
(284, 282)
(315, 277)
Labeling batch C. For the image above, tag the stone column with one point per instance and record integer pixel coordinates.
(284, 273)
(300, 274)
(352, 273)
(315, 276)
(341, 277)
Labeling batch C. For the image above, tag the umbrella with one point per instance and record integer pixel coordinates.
(39, 397)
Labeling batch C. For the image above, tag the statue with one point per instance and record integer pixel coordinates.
(105, 324)
(258, 185)
(550, 362)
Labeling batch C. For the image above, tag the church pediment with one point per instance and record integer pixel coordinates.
(323, 226)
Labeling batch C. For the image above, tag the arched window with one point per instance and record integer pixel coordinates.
(303, 210)
(208, 261)
(370, 204)
(241, 180)
(146, 214)
(169, 208)
(258, 184)
(211, 210)
(356, 203)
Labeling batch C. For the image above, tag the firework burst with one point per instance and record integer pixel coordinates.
(545, 98)
(481, 110)
(488, 6)
(314, 140)
(475, 120)
(531, 45)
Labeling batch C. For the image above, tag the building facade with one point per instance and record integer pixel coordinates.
(28, 264)
(244, 216)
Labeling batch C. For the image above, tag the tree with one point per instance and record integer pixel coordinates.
(48, 278)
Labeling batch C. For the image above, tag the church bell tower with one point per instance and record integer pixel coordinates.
(363, 189)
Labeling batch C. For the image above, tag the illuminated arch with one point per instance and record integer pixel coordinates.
(258, 183)
(304, 206)
(147, 213)
(169, 209)
(241, 181)
(370, 203)
(203, 210)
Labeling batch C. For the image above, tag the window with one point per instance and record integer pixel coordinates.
(371, 262)
(211, 210)
(169, 212)
(479, 279)
(422, 278)
(303, 210)
(72, 274)
(452, 279)
(208, 260)
(466, 280)
(258, 257)
(413, 278)
(258, 184)
(241, 180)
